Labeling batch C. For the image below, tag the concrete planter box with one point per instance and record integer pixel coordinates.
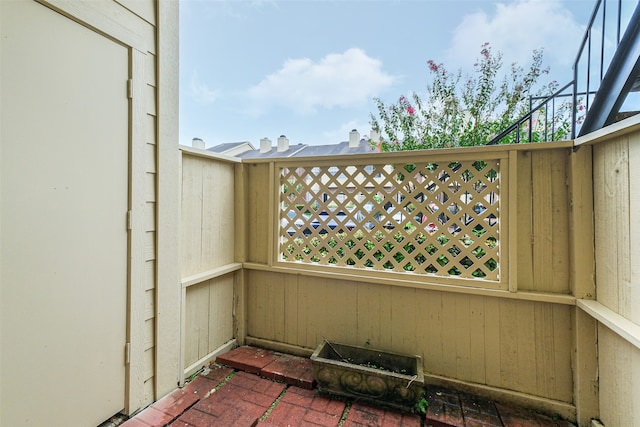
(355, 372)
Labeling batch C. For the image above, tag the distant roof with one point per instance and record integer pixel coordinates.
(221, 148)
(256, 154)
(335, 149)
(298, 150)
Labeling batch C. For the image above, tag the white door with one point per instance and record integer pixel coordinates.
(64, 145)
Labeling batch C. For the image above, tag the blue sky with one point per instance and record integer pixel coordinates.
(309, 69)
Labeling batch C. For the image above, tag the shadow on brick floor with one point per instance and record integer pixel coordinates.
(250, 386)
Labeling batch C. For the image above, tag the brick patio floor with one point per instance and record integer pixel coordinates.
(253, 387)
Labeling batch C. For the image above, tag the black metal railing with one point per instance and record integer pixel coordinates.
(589, 70)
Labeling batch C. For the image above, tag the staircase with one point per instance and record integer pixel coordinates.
(601, 81)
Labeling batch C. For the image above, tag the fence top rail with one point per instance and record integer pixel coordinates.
(448, 153)
(198, 152)
(623, 127)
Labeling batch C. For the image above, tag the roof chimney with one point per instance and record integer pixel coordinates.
(354, 139)
(374, 136)
(197, 143)
(265, 145)
(283, 143)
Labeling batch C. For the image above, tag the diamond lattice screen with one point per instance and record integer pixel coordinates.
(430, 219)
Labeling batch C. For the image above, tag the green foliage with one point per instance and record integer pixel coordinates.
(422, 404)
(457, 112)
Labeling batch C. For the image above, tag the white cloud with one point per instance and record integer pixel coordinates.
(201, 92)
(342, 132)
(516, 29)
(337, 80)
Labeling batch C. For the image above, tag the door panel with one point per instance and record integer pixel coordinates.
(64, 179)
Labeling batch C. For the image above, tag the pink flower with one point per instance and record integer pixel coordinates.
(485, 50)
(432, 65)
(410, 110)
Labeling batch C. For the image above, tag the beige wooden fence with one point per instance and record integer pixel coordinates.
(208, 256)
(272, 256)
(509, 329)
(616, 174)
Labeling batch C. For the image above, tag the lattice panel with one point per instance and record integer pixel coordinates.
(431, 219)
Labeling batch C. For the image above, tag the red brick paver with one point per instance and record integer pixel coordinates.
(245, 358)
(444, 408)
(478, 412)
(293, 370)
(151, 417)
(133, 422)
(361, 415)
(246, 398)
(241, 401)
(519, 417)
(180, 400)
(305, 407)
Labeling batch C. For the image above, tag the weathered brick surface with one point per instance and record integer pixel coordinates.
(133, 422)
(245, 358)
(293, 370)
(246, 397)
(361, 415)
(444, 409)
(513, 416)
(305, 407)
(241, 401)
(218, 373)
(154, 417)
(194, 418)
(180, 400)
(479, 412)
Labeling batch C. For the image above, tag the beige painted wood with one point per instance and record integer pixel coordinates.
(258, 208)
(524, 215)
(633, 294)
(616, 195)
(207, 216)
(144, 9)
(622, 326)
(582, 239)
(585, 367)
(109, 17)
(611, 204)
(209, 317)
(550, 222)
(511, 235)
(524, 346)
(542, 221)
(619, 371)
(162, 131)
(65, 142)
(137, 323)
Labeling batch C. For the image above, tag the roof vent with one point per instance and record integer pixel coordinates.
(265, 145)
(354, 139)
(197, 143)
(283, 143)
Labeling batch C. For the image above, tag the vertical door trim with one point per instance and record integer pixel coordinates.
(134, 382)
